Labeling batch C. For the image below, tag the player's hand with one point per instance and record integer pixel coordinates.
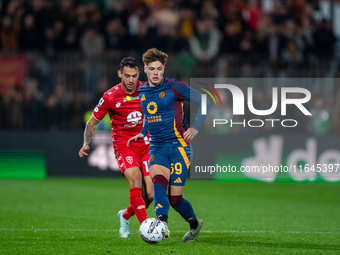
(189, 134)
(135, 138)
(83, 151)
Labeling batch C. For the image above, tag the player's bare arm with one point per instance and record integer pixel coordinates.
(88, 134)
(135, 138)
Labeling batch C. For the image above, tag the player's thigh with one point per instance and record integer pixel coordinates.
(159, 162)
(157, 169)
(134, 177)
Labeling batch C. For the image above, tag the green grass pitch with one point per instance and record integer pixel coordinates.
(78, 216)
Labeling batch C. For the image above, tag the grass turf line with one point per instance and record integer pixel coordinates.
(78, 216)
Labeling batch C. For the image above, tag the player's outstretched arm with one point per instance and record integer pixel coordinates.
(189, 134)
(135, 138)
(88, 134)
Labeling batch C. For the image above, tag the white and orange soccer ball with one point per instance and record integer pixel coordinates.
(152, 230)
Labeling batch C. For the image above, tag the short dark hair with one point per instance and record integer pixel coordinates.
(153, 54)
(129, 62)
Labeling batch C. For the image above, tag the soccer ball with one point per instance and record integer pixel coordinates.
(152, 230)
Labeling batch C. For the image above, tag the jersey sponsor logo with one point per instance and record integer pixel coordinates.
(129, 159)
(178, 180)
(117, 104)
(162, 94)
(152, 159)
(100, 102)
(128, 98)
(152, 107)
(143, 98)
(134, 118)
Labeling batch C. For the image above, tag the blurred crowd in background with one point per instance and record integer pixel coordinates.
(73, 49)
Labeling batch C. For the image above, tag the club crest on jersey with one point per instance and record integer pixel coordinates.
(128, 98)
(162, 94)
(100, 102)
(129, 159)
(152, 107)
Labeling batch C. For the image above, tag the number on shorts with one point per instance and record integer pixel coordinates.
(146, 165)
(177, 168)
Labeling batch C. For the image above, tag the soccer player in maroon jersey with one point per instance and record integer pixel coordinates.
(122, 103)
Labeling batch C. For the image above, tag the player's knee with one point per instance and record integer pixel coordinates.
(175, 200)
(135, 183)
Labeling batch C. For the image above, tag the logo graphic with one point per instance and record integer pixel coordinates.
(243, 100)
(100, 102)
(117, 105)
(158, 206)
(152, 107)
(207, 91)
(134, 118)
(152, 159)
(178, 180)
(204, 97)
(162, 94)
(129, 159)
(143, 98)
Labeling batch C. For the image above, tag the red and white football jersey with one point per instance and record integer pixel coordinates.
(125, 113)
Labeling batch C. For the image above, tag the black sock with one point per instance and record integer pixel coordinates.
(194, 225)
(163, 218)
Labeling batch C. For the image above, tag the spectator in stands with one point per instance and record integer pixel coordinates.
(115, 35)
(13, 108)
(29, 36)
(230, 39)
(8, 35)
(324, 40)
(204, 45)
(92, 45)
(33, 106)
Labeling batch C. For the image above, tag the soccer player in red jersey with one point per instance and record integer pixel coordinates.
(122, 103)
